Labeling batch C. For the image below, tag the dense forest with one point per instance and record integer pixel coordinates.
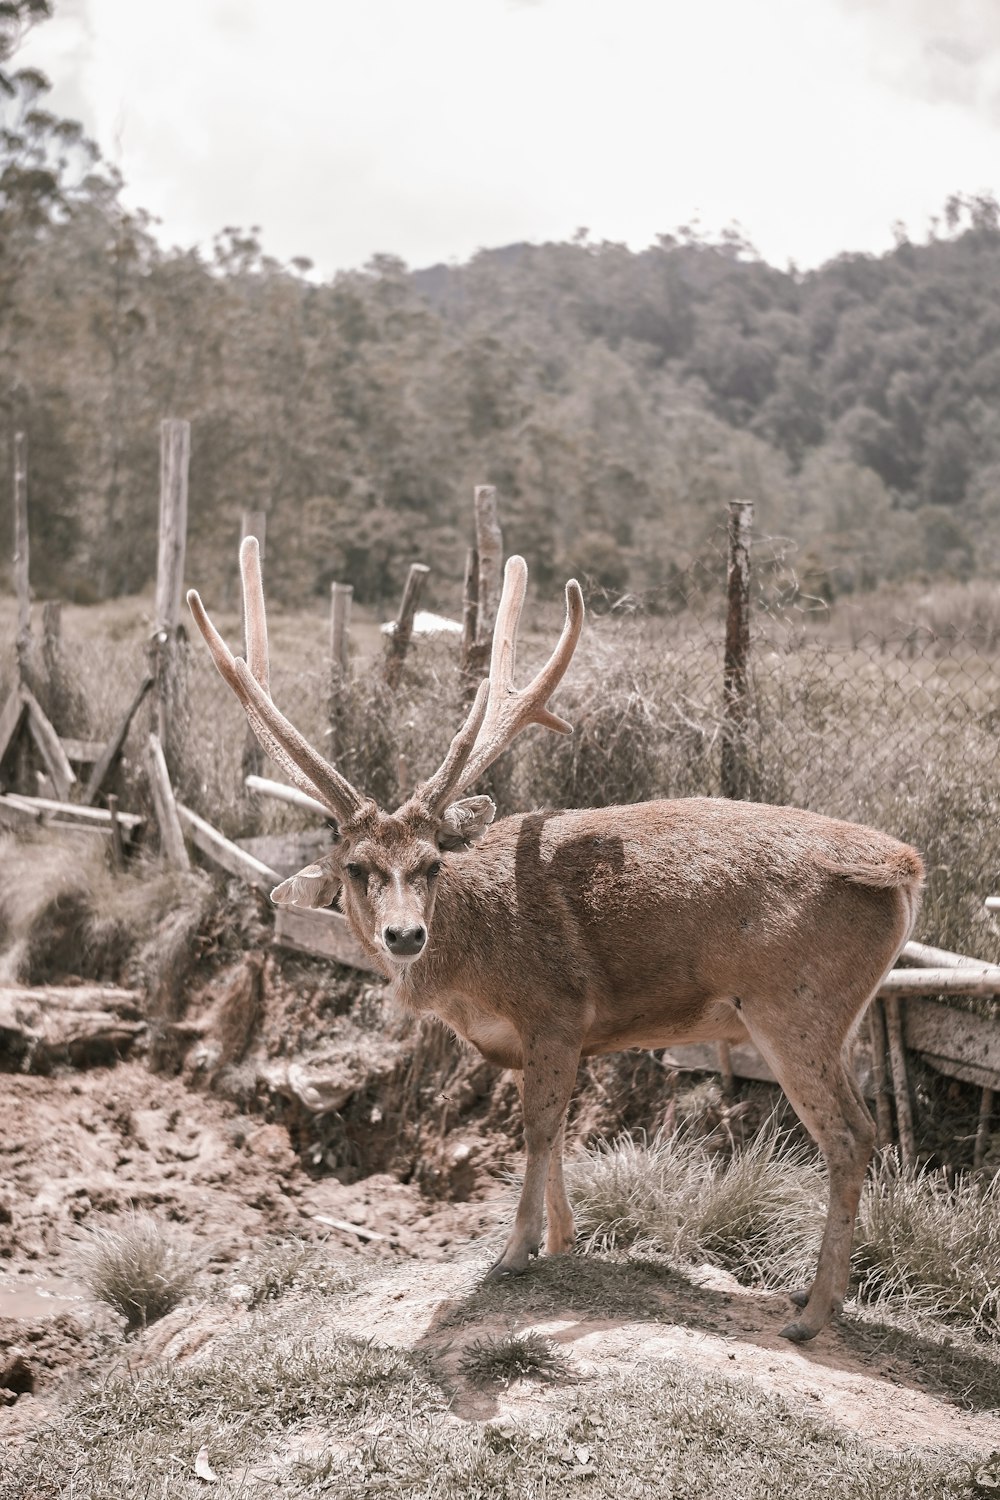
(617, 398)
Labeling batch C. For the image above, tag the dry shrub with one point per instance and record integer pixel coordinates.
(139, 1268)
(64, 912)
(931, 1245)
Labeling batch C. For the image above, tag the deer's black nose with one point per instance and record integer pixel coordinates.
(405, 942)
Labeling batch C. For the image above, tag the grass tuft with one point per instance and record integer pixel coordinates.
(292, 1267)
(499, 1359)
(757, 1212)
(138, 1268)
(931, 1245)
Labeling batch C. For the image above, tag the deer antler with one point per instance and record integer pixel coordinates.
(500, 712)
(249, 680)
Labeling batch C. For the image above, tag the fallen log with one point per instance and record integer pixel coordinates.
(78, 1024)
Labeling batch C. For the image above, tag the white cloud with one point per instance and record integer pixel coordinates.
(430, 129)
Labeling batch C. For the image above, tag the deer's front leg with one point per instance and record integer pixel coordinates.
(547, 1083)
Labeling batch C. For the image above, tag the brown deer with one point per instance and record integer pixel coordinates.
(547, 937)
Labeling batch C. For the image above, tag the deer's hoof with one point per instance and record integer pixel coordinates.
(799, 1333)
(501, 1271)
(800, 1297)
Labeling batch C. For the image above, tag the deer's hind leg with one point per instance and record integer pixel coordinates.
(816, 1077)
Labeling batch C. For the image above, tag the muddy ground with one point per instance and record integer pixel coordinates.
(79, 1146)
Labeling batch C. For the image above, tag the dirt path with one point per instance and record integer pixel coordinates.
(79, 1146)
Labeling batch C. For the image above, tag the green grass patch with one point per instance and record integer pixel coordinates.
(497, 1359)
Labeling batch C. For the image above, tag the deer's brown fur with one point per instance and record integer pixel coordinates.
(548, 937)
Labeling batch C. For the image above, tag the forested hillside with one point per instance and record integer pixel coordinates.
(616, 398)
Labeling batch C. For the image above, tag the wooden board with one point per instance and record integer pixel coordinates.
(172, 845)
(113, 749)
(954, 1042)
(59, 770)
(324, 934)
(223, 853)
(288, 852)
(11, 718)
(16, 809)
(82, 752)
(703, 1057)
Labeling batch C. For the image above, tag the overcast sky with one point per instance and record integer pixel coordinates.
(430, 128)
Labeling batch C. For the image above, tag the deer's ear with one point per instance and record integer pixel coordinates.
(316, 885)
(466, 821)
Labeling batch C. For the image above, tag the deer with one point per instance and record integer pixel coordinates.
(544, 938)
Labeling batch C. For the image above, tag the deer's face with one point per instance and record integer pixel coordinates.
(386, 869)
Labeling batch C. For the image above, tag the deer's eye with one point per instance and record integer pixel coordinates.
(356, 872)
(434, 870)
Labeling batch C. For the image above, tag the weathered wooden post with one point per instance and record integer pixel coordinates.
(900, 1081)
(175, 451)
(470, 607)
(483, 585)
(341, 595)
(253, 523)
(21, 557)
(402, 630)
(735, 771)
(489, 545)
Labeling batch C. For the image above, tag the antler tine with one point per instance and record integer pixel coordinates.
(436, 793)
(508, 711)
(254, 614)
(279, 738)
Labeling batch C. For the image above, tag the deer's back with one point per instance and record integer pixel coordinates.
(672, 901)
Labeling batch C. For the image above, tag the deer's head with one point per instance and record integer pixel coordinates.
(386, 866)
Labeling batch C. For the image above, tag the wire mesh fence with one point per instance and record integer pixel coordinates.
(882, 708)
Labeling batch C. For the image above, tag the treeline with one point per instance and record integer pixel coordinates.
(617, 399)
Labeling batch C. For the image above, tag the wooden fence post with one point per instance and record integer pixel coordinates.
(489, 546)
(470, 607)
(341, 595)
(402, 630)
(735, 771)
(21, 560)
(175, 450)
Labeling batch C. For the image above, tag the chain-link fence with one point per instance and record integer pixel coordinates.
(879, 708)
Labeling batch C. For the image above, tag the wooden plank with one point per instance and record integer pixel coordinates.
(39, 809)
(323, 934)
(287, 852)
(59, 770)
(83, 752)
(171, 836)
(954, 1041)
(982, 980)
(703, 1057)
(113, 749)
(11, 719)
(282, 793)
(224, 853)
